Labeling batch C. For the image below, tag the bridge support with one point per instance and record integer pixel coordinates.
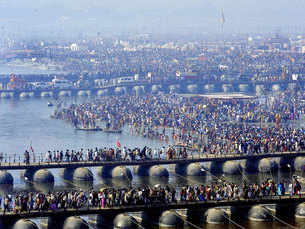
(267, 165)
(152, 171)
(192, 88)
(215, 216)
(193, 169)
(170, 219)
(259, 213)
(6, 178)
(231, 167)
(103, 92)
(55, 222)
(121, 172)
(25, 224)
(299, 211)
(175, 88)
(75, 222)
(101, 221)
(82, 174)
(299, 164)
(124, 221)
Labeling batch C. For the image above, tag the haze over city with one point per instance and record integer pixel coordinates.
(49, 17)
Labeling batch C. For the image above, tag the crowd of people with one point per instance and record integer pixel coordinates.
(110, 197)
(210, 125)
(110, 154)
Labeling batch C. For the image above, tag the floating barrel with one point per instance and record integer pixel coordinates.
(124, 221)
(212, 167)
(276, 88)
(25, 224)
(193, 169)
(83, 93)
(138, 90)
(6, 178)
(24, 95)
(7, 95)
(300, 211)
(64, 93)
(102, 92)
(74, 222)
(46, 94)
(266, 165)
(120, 90)
(299, 164)
(232, 167)
(82, 174)
(66, 173)
(192, 88)
(175, 88)
(227, 88)
(158, 171)
(259, 89)
(170, 219)
(121, 172)
(43, 176)
(216, 216)
(259, 213)
(155, 89)
(243, 87)
(209, 88)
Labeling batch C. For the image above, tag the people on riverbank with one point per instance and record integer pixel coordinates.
(204, 124)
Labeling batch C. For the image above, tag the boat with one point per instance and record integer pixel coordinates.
(89, 129)
(112, 131)
(50, 104)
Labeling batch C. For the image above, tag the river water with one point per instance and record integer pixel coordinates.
(27, 122)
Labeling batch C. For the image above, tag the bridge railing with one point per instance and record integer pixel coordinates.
(39, 160)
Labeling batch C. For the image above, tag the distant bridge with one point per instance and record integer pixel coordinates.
(147, 162)
(282, 200)
(176, 86)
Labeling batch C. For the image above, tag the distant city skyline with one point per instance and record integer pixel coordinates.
(49, 17)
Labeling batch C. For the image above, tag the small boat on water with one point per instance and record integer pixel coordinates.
(112, 131)
(89, 129)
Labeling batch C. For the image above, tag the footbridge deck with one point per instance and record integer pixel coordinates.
(147, 162)
(283, 200)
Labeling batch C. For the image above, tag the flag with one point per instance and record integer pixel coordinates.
(118, 143)
(222, 19)
(32, 149)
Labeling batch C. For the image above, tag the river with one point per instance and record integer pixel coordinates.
(27, 122)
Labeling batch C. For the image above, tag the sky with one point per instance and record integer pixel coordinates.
(75, 16)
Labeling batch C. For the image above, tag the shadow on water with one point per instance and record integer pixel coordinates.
(6, 189)
(39, 187)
